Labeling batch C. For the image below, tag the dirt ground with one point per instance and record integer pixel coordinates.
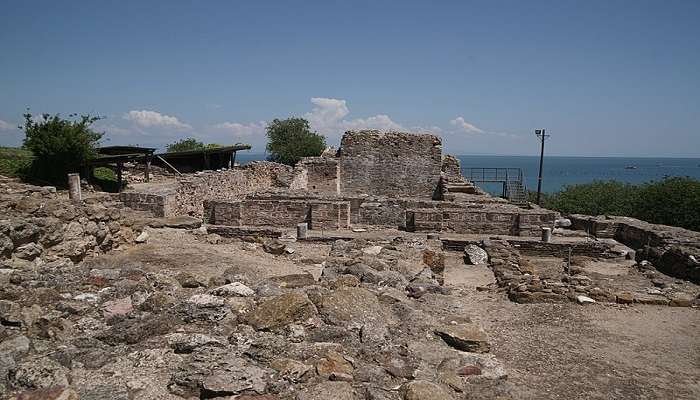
(551, 351)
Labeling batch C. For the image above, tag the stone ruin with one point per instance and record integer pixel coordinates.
(92, 308)
(375, 181)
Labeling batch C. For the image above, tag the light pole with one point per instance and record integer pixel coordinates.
(540, 133)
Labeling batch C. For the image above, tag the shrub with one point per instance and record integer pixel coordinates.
(187, 144)
(290, 140)
(60, 146)
(672, 201)
(596, 198)
(106, 179)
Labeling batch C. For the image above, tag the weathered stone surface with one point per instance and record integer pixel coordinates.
(625, 298)
(117, 308)
(37, 374)
(280, 311)
(290, 369)
(142, 237)
(182, 222)
(345, 280)
(233, 289)
(188, 342)
(293, 281)
(425, 390)
(28, 251)
(465, 337)
(10, 313)
(206, 300)
(274, 246)
(333, 363)
(50, 393)
(330, 390)
(475, 255)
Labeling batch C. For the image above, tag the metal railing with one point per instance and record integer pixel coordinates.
(512, 179)
(492, 175)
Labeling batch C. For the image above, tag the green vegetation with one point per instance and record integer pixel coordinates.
(14, 162)
(672, 201)
(59, 145)
(106, 179)
(190, 144)
(291, 139)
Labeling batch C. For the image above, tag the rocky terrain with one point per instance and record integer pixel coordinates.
(170, 311)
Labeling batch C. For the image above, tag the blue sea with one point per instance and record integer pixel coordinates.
(562, 171)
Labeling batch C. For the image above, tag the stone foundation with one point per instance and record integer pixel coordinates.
(674, 251)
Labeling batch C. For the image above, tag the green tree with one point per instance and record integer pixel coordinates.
(289, 140)
(187, 144)
(60, 146)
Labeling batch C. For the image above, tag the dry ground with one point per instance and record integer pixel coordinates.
(551, 351)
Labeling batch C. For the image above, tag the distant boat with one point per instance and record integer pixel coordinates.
(631, 167)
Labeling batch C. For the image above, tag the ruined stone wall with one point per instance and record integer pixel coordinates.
(187, 195)
(451, 168)
(390, 164)
(321, 174)
(39, 225)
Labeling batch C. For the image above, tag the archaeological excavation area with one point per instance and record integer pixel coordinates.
(374, 271)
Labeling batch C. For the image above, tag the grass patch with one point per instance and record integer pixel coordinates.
(14, 161)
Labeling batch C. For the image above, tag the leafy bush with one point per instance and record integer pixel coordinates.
(596, 198)
(188, 144)
(672, 201)
(106, 179)
(290, 140)
(60, 146)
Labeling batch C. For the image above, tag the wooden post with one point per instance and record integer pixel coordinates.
(119, 177)
(232, 161)
(74, 187)
(147, 172)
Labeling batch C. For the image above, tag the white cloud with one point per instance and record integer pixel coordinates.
(327, 117)
(6, 126)
(465, 126)
(110, 129)
(153, 119)
(238, 130)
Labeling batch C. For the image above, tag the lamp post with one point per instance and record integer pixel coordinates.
(540, 133)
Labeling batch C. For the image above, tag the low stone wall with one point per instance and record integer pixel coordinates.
(674, 251)
(186, 195)
(479, 221)
(279, 213)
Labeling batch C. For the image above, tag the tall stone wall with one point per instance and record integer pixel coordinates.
(391, 164)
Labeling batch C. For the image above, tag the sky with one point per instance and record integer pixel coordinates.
(603, 77)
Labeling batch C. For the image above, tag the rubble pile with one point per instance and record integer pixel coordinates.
(366, 328)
